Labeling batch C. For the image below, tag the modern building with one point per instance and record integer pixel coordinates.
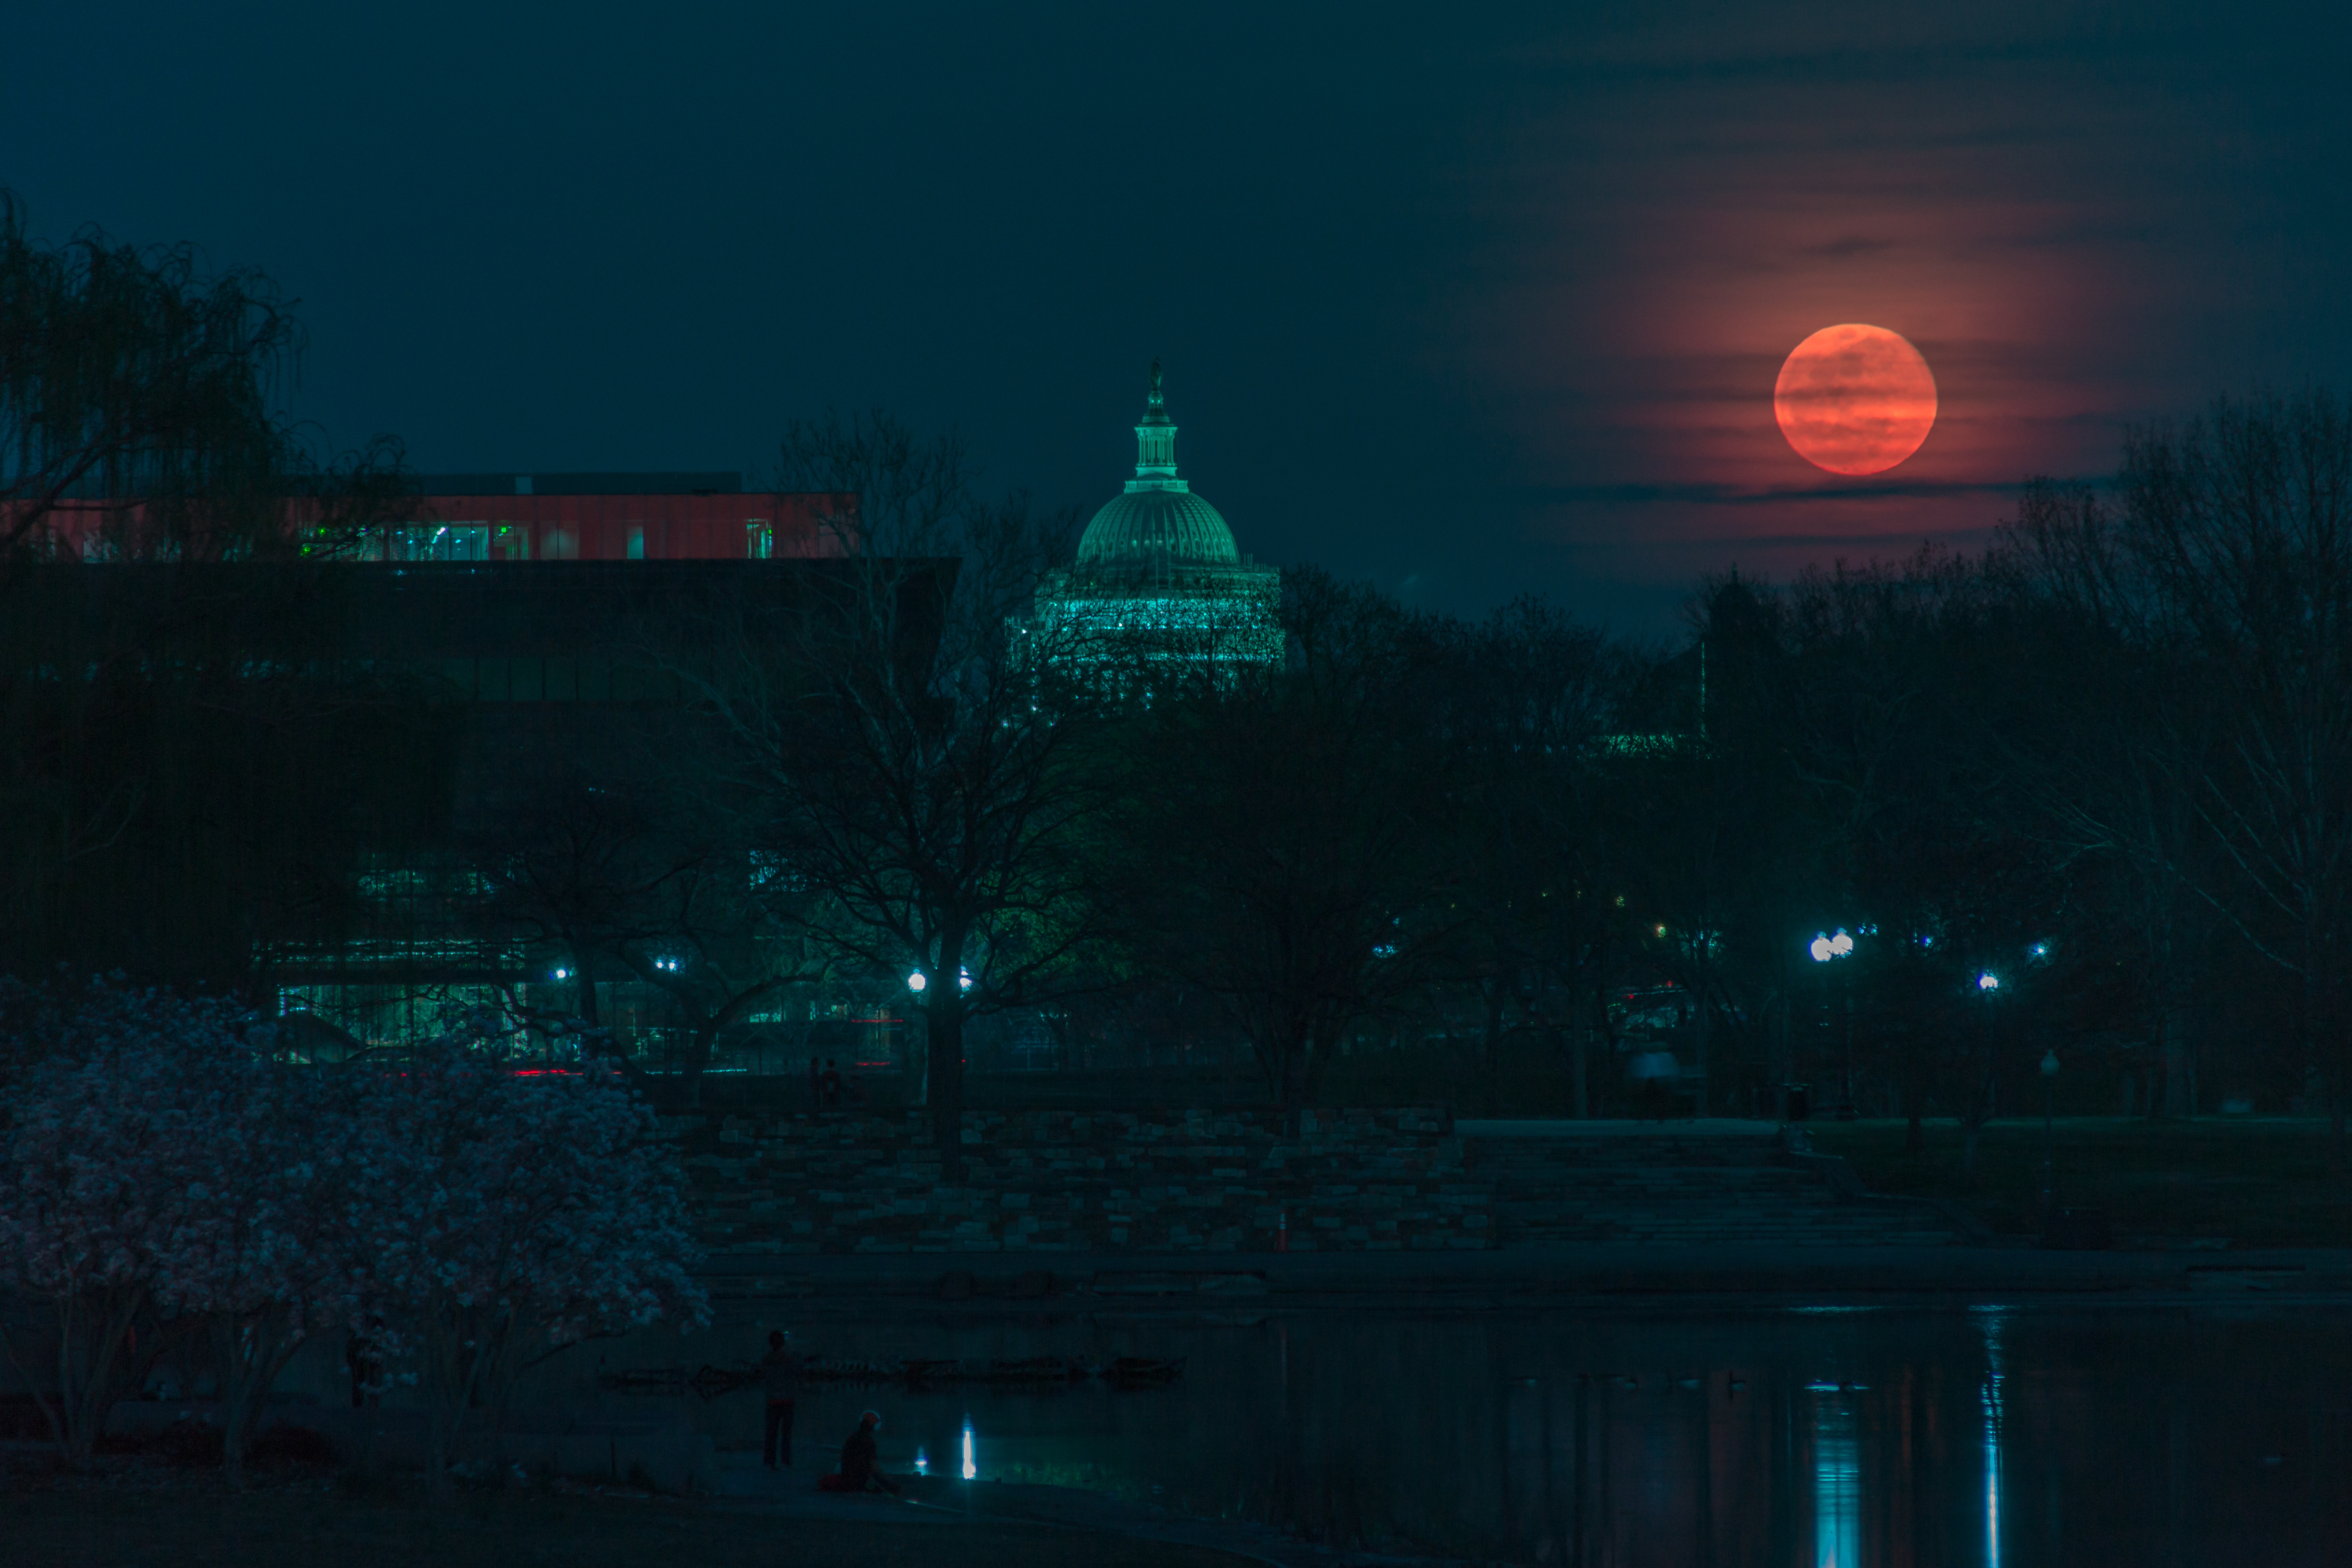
(1159, 583)
(431, 687)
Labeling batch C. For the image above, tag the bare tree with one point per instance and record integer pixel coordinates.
(2108, 754)
(927, 783)
(1286, 834)
(1531, 696)
(2241, 522)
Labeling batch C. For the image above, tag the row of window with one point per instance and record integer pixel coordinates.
(512, 542)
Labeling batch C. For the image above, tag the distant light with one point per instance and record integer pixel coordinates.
(2039, 950)
(1662, 930)
(1820, 949)
(563, 974)
(1988, 982)
(1841, 944)
(2050, 1064)
(964, 978)
(915, 982)
(922, 1463)
(970, 1470)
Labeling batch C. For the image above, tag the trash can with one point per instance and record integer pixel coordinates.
(1796, 1100)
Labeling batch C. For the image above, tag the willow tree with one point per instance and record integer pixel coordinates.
(166, 748)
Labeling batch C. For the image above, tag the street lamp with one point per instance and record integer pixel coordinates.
(2049, 1086)
(915, 982)
(1826, 948)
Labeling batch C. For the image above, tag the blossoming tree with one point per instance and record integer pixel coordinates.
(268, 1249)
(162, 1168)
(517, 1204)
(105, 1143)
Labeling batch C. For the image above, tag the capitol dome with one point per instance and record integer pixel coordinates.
(1157, 521)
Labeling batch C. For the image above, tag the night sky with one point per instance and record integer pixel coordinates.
(1467, 300)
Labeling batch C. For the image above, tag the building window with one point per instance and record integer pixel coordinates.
(636, 544)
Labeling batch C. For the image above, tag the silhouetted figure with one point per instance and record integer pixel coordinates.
(816, 1087)
(857, 1471)
(830, 1086)
(780, 1379)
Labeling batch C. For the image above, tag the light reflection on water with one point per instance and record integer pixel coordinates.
(1990, 1398)
(1837, 1483)
(1796, 1440)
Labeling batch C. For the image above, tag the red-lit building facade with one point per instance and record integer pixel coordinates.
(544, 517)
(611, 517)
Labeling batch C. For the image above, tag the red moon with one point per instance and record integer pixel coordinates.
(1854, 399)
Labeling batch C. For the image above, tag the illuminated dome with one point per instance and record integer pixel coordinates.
(1159, 522)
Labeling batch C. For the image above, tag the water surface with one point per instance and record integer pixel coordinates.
(1820, 1439)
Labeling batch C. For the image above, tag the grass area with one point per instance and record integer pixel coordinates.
(110, 1527)
(2248, 1181)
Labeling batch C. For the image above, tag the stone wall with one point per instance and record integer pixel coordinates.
(1228, 1182)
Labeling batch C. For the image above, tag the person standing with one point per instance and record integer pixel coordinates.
(816, 1088)
(832, 1086)
(780, 1379)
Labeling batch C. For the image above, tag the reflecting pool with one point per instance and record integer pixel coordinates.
(1813, 1438)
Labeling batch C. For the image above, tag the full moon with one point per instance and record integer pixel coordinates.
(1854, 399)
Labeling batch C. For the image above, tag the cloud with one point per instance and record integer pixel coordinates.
(1752, 495)
(1905, 542)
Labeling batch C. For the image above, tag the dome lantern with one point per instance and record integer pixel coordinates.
(1155, 438)
(1158, 523)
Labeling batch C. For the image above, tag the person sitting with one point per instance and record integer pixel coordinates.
(858, 1472)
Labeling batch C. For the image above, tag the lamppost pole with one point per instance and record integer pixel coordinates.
(1825, 950)
(2049, 1136)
